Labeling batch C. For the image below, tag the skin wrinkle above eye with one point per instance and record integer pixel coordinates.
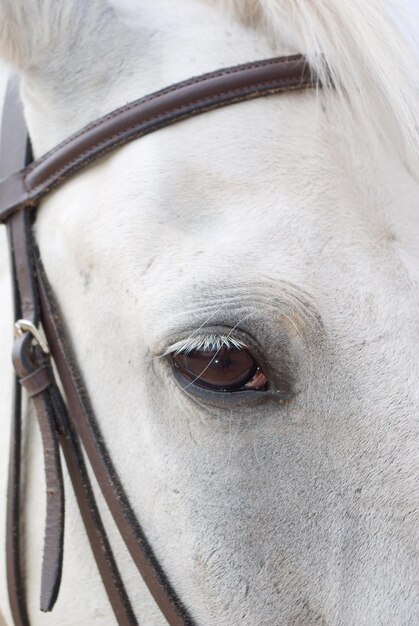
(198, 311)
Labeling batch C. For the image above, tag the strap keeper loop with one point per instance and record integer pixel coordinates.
(36, 382)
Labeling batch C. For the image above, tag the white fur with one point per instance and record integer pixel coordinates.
(287, 219)
(371, 63)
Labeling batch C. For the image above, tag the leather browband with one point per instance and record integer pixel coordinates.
(71, 425)
(183, 100)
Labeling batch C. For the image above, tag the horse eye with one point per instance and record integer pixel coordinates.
(223, 369)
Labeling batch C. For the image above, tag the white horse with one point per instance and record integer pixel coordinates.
(288, 226)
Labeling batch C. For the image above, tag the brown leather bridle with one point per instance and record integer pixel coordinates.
(70, 424)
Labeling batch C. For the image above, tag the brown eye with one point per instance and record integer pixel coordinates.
(223, 369)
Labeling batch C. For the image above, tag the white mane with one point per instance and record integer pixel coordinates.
(364, 45)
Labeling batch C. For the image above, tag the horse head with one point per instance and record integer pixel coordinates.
(240, 291)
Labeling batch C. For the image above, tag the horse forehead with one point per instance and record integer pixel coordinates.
(231, 171)
(267, 199)
(277, 156)
(255, 186)
(277, 190)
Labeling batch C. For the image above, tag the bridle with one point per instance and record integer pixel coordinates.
(70, 424)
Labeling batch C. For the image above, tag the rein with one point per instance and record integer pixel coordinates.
(70, 424)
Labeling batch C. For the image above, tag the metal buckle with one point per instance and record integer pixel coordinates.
(25, 326)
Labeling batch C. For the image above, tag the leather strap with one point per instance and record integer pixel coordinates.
(35, 374)
(87, 429)
(73, 425)
(13, 150)
(92, 521)
(136, 119)
(33, 370)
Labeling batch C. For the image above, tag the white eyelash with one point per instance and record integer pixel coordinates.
(205, 342)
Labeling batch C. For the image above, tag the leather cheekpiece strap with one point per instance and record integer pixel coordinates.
(35, 373)
(88, 431)
(13, 153)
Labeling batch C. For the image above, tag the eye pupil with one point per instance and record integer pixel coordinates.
(225, 369)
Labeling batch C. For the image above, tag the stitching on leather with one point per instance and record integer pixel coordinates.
(65, 171)
(279, 84)
(192, 81)
(114, 138)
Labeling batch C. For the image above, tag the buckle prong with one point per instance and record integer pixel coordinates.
(25, 326)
